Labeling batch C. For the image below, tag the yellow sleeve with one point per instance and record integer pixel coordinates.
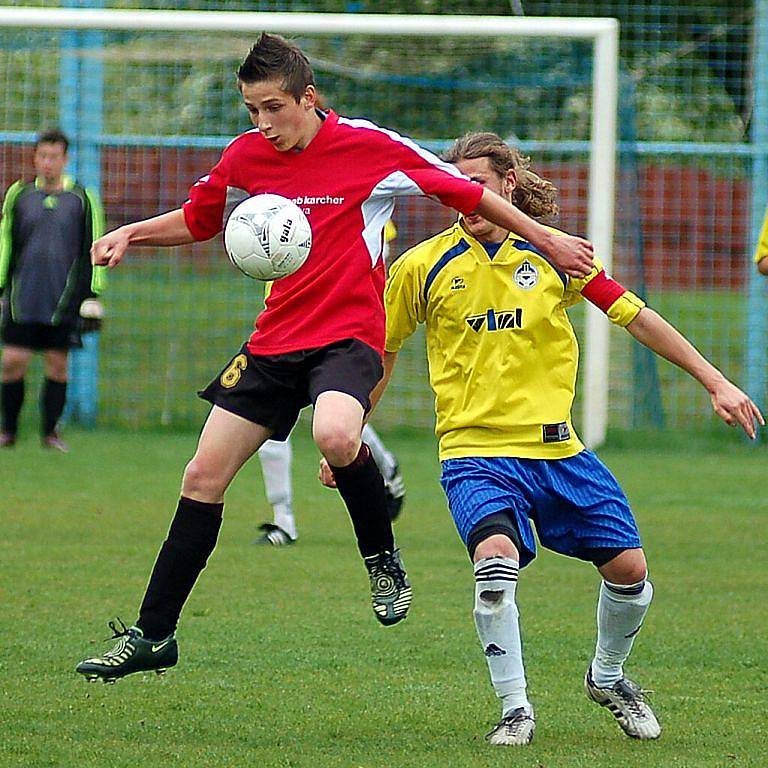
(762, 243)
(625, 309)
(576, 284)
(404, 301)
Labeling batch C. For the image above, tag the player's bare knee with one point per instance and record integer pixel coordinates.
(56, 371)
(496, 545)
(496, 535)
(13, 373)
(13, 367)
(628, 567)
(200, 482)
(338, 445)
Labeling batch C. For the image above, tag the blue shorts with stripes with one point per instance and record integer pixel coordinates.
(575, 504)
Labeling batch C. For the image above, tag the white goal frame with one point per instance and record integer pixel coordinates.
(602, 32)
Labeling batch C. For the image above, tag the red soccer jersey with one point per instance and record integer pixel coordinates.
(345, 181)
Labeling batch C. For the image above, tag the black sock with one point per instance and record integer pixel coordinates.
(191, 539)
(11, 399)
(362, 488)
(53, 396)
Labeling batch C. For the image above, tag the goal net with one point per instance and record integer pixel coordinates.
(148, 99)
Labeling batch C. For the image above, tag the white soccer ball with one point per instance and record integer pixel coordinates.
(267, 237)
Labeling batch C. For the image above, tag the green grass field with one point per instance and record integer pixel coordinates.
(283, 663)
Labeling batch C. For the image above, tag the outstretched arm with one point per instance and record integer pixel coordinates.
(762, 266)
(167, 229)
(572, 255)
(731, 404)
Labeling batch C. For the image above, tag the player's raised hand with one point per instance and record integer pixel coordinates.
(572, 255)
(735, 407)
(325, 474)
(108, 250)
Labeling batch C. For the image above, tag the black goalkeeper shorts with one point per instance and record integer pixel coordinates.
(271, 390)
(39, 336)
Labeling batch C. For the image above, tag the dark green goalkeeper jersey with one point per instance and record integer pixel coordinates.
(45, 242)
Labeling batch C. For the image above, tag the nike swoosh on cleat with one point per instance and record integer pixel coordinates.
(156, 648)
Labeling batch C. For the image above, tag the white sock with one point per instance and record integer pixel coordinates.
(275, 460)
(621, 609)
(385, 460)
(498, 627)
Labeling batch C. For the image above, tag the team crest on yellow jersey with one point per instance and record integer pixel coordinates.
(526, 275)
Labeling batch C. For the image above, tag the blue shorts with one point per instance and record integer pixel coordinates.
(575, 504)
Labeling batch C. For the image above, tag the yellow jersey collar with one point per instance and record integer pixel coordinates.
(506, 249)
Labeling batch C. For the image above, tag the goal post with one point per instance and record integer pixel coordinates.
(602, 33)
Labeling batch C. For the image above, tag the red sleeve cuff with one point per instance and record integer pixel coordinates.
(603, 291)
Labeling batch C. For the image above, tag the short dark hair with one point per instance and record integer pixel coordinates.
(53, 136)
(274, 57)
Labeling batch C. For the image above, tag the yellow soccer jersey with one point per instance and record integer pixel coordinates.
(502, 352)
(762, 243)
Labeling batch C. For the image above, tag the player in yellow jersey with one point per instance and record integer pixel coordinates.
(761, 254)
(503, 359)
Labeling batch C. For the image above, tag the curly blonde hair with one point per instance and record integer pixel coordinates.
(533, 195)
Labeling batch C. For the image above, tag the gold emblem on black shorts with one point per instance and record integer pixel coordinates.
(234, 371)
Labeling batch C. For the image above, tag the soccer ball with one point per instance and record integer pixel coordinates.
(267, 237)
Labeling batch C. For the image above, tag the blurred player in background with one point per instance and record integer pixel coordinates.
(46, 232)
(319, 340)
(761, 254)
(502, 362)
(276, 459)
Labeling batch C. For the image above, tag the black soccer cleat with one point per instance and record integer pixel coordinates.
(132, 653)
(394, 490)
(390, 588)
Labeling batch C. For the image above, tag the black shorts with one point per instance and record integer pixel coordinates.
(271, 390)
(39, 336)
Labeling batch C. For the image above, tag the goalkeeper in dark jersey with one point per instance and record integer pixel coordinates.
(48, 225)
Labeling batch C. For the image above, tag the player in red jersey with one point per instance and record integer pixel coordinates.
(319, 340)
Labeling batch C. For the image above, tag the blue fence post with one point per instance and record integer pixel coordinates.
(647, 406)
(81, 92)
(757, 300)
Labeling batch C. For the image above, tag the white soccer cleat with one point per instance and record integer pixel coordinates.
(515, 729)
(627, 704)
(274, 536)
